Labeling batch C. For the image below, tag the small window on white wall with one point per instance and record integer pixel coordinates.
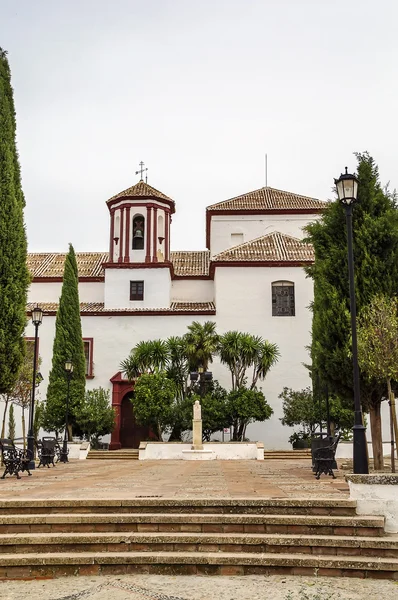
(283, 299)
(236, 239)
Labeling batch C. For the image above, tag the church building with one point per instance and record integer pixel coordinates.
(250, 278)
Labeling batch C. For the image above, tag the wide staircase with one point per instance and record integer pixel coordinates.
(52, 538)
(125, 454)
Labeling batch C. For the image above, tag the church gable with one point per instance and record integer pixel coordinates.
(273, 247)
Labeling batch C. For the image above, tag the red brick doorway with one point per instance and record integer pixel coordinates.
(127, 433)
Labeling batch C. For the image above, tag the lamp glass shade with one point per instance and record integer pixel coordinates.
(37, 315)
(201, 369)
(347, 188)
(69, 366)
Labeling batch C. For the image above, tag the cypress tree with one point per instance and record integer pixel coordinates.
(68, 343)
(14, 275)
(375, 229)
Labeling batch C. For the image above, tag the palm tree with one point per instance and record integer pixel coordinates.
(201, 344)
(242, 351)
(146, 357)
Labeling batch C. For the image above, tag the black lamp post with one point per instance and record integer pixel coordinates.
(69, 373)
(347, 188)
(203, 376)
(37, 319)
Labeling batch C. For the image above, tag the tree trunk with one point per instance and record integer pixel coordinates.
(377, 444)
(3, 425)
(391, 402)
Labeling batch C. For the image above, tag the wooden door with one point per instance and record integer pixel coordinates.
(131, 434)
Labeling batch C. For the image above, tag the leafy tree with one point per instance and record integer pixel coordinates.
(300, 408)
(178, 371)
(22, 390)
(201, 344)
(242, 351)
(95, 417)
(378, 346)
(68, 343)
(215, 409)
(38, 418)
(375, 225)
(244, 407)
(14, 276)
(153, 402)
(11, 423)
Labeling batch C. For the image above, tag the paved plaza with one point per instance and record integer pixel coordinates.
(96, 479)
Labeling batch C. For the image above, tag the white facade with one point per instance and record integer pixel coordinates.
(234, 292)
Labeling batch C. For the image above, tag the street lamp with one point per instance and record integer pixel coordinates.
(347, 189)
(203, 377)
(69, 373)
(37, 319)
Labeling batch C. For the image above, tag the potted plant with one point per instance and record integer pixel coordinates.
(300, 440)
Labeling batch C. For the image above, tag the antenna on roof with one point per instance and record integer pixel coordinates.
(141, 171)
(266, 170)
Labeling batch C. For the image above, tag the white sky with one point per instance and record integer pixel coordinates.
(199, 90)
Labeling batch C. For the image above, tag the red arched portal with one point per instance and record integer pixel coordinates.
(127, 433)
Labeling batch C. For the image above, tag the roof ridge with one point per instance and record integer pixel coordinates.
(268, 198)
(146, 190)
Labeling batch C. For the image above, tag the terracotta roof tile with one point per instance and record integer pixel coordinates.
(89, 264)
(275, 246)
(191, 263)
(98, 307)
(268, 198)
(143, 190)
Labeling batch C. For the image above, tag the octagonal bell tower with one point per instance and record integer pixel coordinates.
(139, 248)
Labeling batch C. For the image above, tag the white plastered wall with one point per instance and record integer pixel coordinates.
(89, 291)
(157, 285)
(252, 227)
(190, 290)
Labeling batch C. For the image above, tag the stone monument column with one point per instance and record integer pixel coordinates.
(197, 427)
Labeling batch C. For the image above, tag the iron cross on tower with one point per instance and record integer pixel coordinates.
(141, 170)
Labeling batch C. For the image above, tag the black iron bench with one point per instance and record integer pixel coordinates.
(324, 458)
(47, 451)
(15, 460)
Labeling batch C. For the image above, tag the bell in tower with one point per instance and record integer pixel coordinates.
(138, 232)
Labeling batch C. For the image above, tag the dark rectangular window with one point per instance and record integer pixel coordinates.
(136, 290)
(283, 301)
(88, 355)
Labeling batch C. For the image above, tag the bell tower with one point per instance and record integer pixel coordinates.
(140, 225)
(139, 245)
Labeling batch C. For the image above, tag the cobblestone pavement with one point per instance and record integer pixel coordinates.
(160, 587)
(94, 479)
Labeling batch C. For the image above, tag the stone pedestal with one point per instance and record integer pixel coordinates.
(197, 434)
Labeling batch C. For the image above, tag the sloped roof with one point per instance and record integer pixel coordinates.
(142, 190)
(268, 198)
(50, 264)
(89, 264)
(274, 246)
(98, 307)
(191, 263)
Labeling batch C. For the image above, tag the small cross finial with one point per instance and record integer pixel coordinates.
(141, 171)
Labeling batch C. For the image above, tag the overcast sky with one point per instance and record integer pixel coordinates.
(200, 91)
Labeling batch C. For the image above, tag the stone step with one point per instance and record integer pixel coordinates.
(193, 523)
(287, 454)
(129, 454)
(384, 547)
(316, 506)
(206, 563)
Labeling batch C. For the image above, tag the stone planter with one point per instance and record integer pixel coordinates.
(376, 494)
